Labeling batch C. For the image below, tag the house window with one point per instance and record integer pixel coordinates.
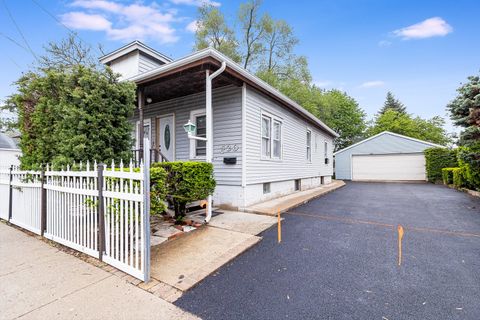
(266, 187)
(277, 139)
(201, 146)
(198, 148)
(271, 137)
(325, 150)
(298, 184)
(266, 136)
(309, 145)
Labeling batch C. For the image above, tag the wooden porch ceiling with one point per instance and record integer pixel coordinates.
(184, 82)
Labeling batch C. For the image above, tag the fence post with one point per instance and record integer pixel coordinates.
(146, 206)
(43, 208)
(10, 195)
(101, 212)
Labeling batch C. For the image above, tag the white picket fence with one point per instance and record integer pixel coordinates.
(72, 210)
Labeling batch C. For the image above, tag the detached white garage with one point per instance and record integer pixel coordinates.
(384, 157)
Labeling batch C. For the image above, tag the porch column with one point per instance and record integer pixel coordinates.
(141, 133)
(209, 134)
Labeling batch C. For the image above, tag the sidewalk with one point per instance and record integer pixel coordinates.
(293, 200)
(38, 281)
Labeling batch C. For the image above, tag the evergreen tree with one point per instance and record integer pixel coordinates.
(392, 104)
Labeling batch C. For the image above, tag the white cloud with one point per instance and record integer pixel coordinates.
(372, 84)
(84, 21)
(192, 26)
(197, 3)
(124, 21)
(433, 27)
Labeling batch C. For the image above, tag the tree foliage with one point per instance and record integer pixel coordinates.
(391, 103)
(465, 111)
(76, 116)
(431, 130)
(437, 159)
(213, 31)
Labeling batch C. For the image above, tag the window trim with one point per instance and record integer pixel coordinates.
(273, 118)
(307, 146)
(194, 114)
(262, 154)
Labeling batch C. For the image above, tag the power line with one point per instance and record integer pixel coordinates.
(75, 34)
(19, 30)
(14, 41)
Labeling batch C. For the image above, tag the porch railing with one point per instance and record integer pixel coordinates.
(155, 156)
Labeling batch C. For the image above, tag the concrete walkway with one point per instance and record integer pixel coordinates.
(293, 200)
(184, 262)
(38, 281)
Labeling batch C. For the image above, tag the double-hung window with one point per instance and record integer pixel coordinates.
(271, 137)
(266, 136)
(198, 148)
(309, 145)
(325, 154)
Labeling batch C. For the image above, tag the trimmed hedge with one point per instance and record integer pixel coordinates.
(436, 159)
(187, 181)
(469, 160)
(447, 175)
(458, 177)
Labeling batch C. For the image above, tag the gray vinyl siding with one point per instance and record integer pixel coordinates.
(383, 144)
(146, 63)
(227, 123)
(294, 164)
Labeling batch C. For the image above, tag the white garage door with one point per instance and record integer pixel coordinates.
(389, 167)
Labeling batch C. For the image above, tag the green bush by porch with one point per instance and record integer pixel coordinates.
(187, 181)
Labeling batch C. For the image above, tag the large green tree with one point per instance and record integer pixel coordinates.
(465, 111)
(213, 31)
(70, 109)
(391, 103)
(431, 130)
(67, 117)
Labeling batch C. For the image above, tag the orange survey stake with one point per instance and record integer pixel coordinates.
(400, 236)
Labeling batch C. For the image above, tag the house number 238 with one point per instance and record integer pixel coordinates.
(228, 148)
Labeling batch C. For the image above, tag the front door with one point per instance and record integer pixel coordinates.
(166, 136)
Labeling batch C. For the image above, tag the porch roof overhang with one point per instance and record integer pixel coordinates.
(185, 76)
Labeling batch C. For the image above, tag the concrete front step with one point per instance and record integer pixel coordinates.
(285, 203)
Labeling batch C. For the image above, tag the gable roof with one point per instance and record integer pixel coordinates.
(132, 46)
(389, 133)
(6, 142)
(231, 65)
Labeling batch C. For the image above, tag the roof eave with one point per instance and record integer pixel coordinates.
(209, 52)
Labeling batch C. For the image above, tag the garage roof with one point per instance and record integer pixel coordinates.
(388, 133)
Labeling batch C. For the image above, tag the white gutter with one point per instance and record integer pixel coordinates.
(209, 129)
(209, 52)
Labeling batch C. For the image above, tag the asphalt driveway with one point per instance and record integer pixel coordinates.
(339, 260)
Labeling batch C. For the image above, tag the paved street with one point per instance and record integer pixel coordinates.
(338, 260)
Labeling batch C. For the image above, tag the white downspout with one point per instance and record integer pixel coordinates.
(209, 129)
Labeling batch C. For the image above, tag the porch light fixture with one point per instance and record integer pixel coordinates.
(190, 129)
(149, 100)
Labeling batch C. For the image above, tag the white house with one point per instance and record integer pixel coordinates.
(262, 144)
(9, 152)
(386, 156)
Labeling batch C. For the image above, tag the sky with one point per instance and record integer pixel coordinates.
(420, 50)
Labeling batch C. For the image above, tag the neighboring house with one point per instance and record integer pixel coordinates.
(9, 151)
(386, 156)
(264, 144)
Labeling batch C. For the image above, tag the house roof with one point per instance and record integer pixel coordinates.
(132, 46)
(6, 142)
(389, 133)
(236, 69)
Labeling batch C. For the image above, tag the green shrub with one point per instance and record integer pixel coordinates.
(447, 175)
(469, 159)
(459, 177)
(158, 189)
(436, 159)
(187, 181)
